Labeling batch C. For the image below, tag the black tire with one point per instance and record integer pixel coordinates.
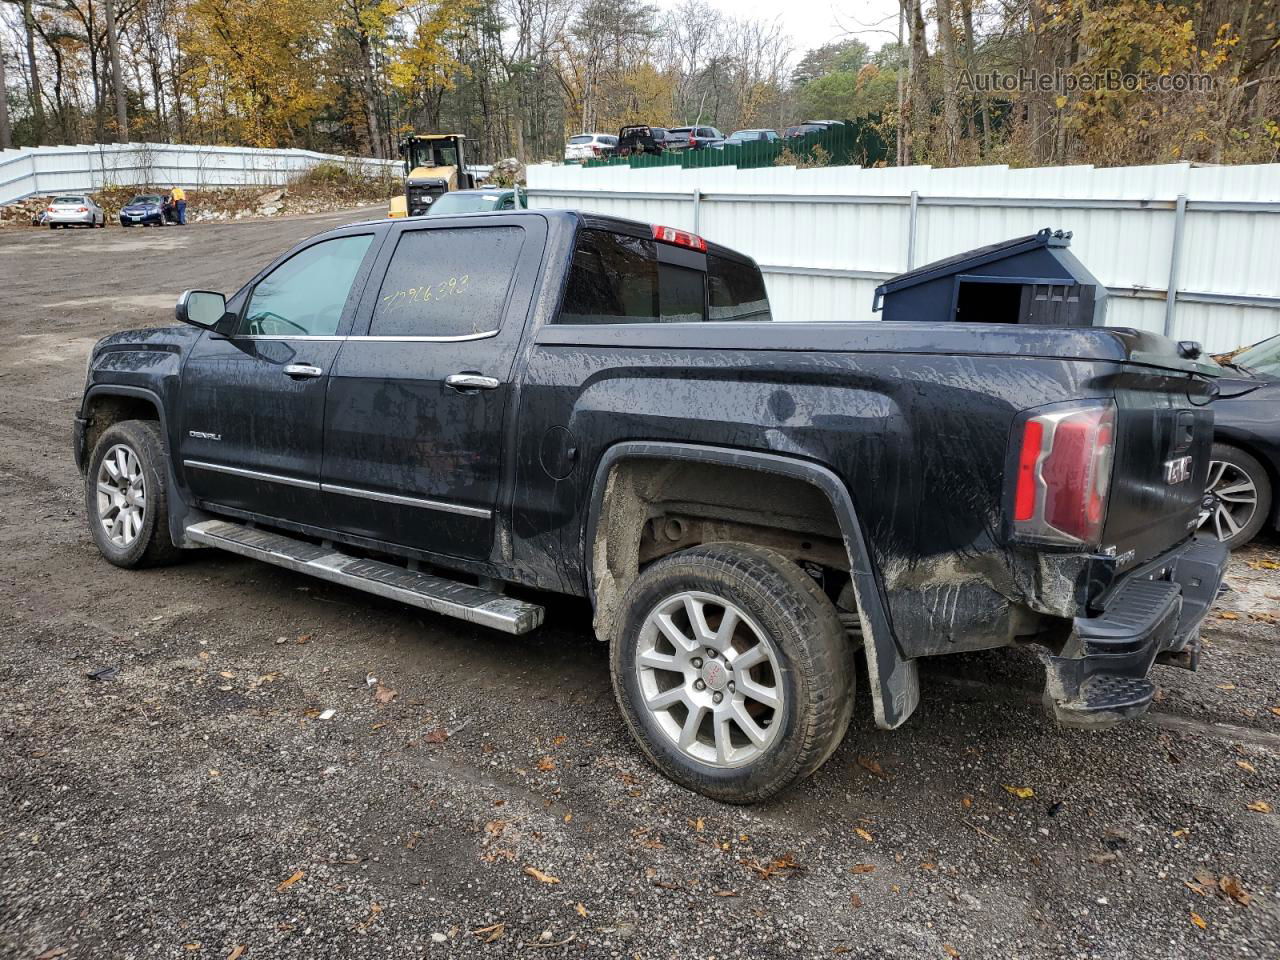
(815, 669)
(1238, 463)
(151, 545)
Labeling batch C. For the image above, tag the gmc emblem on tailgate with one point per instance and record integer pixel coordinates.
(1177, 470)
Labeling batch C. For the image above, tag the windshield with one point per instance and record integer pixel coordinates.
(466, 203)
(579, 139)
(145, 198)
(432, 153)
(1262, 359)
(68, 199)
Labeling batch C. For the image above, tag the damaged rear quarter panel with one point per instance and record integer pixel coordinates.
(919, 440)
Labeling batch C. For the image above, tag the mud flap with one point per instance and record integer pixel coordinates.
(894, 682)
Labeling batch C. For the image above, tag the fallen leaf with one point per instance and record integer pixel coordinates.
(581, 911)
(52, 953)
(568, 817)
(1104, 856)
(1198, 920)
(862, 868)
(855, 901)
(546, 764)
(540, 876)
(226, 674)
(559, 741)
(928, 866)
(1246, 766)
(1260, 806)
(237, 951)
(305, 638)
(699, 825)
(367, 922)
(1228, 615)
(1022, 793)
(1230, 885)
(666, 885)
(863, 834)
(950, 951)
(966, 801)
(495, 827)
(491, 933)
(725, 893)
(286, 884)
(1275, 710)
(785, 863)
(214, 773)
(872, 767)
(1226, 686)
(383, 694)
(438, 735)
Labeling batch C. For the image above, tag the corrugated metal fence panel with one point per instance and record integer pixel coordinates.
(821, 257)
(29, 171)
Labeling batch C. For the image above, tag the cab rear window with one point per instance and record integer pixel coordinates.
(616, 278)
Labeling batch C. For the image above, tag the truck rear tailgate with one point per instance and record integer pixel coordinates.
(1164, 434)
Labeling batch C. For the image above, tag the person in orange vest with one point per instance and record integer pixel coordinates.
(178, 198)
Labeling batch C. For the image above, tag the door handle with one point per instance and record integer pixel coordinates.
(301, 371)
(465, 382)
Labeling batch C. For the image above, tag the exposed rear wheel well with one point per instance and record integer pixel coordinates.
(655, 507)
(103, 410)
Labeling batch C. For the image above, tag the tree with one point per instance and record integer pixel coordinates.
(117, 84)
(6, 135)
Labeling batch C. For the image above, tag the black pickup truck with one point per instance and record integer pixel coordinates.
(460, 412)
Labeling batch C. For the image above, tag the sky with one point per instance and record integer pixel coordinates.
(811, 23)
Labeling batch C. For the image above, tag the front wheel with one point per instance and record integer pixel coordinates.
(126, 496)
(1237, 498)
(732, 670)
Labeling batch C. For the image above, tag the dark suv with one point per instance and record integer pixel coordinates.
(641, 139)
(694, 138)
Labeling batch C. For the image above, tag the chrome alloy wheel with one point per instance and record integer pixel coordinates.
(709, 677)
(1230, 500)
(122, 495)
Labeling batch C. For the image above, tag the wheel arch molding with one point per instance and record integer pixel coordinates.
(893, 680)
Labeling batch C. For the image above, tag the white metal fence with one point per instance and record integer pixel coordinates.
(30, 171)
(826, 237)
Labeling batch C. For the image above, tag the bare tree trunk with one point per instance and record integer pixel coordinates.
(117, 81)
(971, 64)
(369, 93)
(917, 67)
(902, 117)
(950, 95)
(6, 136)
(37, 96)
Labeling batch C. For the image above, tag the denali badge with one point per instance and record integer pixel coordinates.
(1177, 470)
(201, 435)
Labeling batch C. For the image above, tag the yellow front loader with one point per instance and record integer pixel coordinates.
(433, 165)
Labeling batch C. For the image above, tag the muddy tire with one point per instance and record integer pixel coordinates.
(126, 496)
(732, 670)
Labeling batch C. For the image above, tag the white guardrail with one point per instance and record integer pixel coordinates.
(826, 237)
(34, 171)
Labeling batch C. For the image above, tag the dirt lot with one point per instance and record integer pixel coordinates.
(494, 806)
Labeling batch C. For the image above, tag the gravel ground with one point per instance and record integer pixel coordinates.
(480, 797)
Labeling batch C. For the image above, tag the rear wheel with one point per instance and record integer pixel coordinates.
(1237, 498)
(126, 497)
(732, 670)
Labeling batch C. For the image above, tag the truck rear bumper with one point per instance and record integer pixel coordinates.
(1154, 613)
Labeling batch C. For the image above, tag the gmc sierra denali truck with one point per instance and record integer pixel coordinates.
(460, 412)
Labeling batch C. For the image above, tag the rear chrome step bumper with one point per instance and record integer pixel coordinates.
(473, 604)
(1153, 615)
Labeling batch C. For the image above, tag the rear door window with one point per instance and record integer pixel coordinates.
(447, 283)
(619, 279)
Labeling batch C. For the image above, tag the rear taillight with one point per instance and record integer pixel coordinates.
(693, 141)
(1064, 473)
(82, 209)
(595, 150)
(50, 210)
(681, 238)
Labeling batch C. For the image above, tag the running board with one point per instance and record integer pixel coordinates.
(447, 597)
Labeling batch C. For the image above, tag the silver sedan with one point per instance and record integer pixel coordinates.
(74, 210)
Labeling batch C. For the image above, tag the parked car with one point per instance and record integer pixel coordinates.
(809, 126)
(1244, 472)
(74, 210)
(641, 139)
(480, 200)
(589, 146)
(739, 137)
(453, 413)
(694, 138)
(146, 209)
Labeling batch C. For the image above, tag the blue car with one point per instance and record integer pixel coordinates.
(146, 209)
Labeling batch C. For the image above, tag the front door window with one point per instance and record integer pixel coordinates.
(305, 295)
